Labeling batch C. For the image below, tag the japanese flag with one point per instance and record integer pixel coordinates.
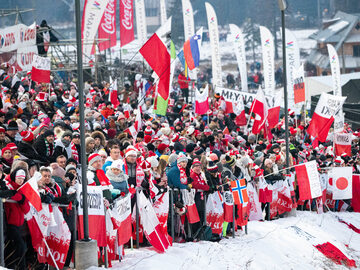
(308, 180)
(342, 183)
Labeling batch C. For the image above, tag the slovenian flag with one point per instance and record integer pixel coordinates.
(191, 52)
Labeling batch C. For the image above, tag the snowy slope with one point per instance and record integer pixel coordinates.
(282, 244)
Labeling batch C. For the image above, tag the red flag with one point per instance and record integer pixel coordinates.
(202, 101)
(107, 27)
(274, 112)
(114, 98)
(156, 54)
(308, 181)
(343, 143)
(215, 212)
(151, 225)
(189, 201)
(355, 202)
(31, 192)
(228, 206)
(259, 108)
(40, 71)
(126, 22)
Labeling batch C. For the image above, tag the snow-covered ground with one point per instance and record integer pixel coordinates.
(285, 243)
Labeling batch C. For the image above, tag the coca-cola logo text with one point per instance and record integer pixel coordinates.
(108, 24)
(126, 16)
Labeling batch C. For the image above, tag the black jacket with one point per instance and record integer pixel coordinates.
(26, 149)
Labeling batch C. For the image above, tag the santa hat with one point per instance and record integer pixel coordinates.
(2, 130)
(27, 136)
(53, 97)
(67, 92)
(196, 162)
(130, 150)
(41, 115)
(207, 131)
(291, 112)
(148, 131)
(5, 149)
(162, 146)
(339, 160)
(175, 137)
(12, 146)
(93, 158)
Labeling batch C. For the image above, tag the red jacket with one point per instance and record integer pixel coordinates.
(15, 211)
(199, 183)
(183, 81)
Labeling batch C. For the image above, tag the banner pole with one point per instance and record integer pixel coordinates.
(51, 255)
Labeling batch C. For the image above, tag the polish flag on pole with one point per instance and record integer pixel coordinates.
(342, 183)
(189, 201)
(136, 127)
(343, 143)
(113, 97)
(31, 191)
(151, 224)
(239, 111)
(259, 108)
(40, 71)
(123, 218)
(202, 100)
(308, 181)
(158, 57)
(323, 117)
(274, 112)
(228, 206)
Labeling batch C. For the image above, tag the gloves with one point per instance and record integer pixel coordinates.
(190, 180)
(47, 198)
(7, 193)
(145, 184)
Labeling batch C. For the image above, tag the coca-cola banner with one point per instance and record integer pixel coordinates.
(126, 22)
(107, 27)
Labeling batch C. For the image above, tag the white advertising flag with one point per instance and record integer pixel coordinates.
(163, 15)
(267, 46)
(239, 46)
(141, 29)
(215, 47)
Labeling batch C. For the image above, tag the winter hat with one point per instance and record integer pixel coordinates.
(196, 162)
(212, 167)
(12, 146)
(2, 130)
(190, 147)
(22, 126)
(27, 136)
(213, 157)
(93, 157)
(199, 151)
(102, 152)
(12, 125)
(207, 131)
(146, 165)
(111, 133)
(147, 138)
(190, 130)
(20, 174)
(121, 116)
(175, 137)
(172, 158)
(70, 167)
(148, 131)
(162, 146)
(181, 157)
(230, 160)
(5, 149)
(153, 161)
(166, 131)
(130, 150)
(117, 164)
(339, 160)
(57, 171)
(267, 162)
(67, 133)
(48, 133)
(291, 112)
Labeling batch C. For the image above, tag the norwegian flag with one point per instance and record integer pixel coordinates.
(238, 188)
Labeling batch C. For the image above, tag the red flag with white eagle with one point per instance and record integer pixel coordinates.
(342, 183)
(151, 225)
(156, 54)
(323, 117)
(202, 100)
(31, 191)
(308, 181)
(215, 212)
(343, 143)
(40, 71)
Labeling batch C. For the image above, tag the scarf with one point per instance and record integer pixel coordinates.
(49, 148)
(74, 152)
(183, 177)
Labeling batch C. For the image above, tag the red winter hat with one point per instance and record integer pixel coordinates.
(175, 137)
(2, 130)
(162, 146)
(12, 146)
(111, 133)
(27, 136)
(148, 131)
(147, 138)
(93, 157)
(293, 131)
(196, 162)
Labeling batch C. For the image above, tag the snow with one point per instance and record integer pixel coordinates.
(338, 26)
(285, 243)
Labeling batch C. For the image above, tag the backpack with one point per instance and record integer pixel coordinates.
(204, 233)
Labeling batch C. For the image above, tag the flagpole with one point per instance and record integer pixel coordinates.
(51, 255)
(251, 110)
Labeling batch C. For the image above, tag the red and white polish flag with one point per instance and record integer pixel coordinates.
(31, 191)
(274, 112)
(215, 212)
(189, 201)
(343, 143)
(121, 218)
(40, 71)
(308, 180)
(239, 110)
(202, 101)
(151, 224)
(228, 206)
(323, 117)
(342, 183)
